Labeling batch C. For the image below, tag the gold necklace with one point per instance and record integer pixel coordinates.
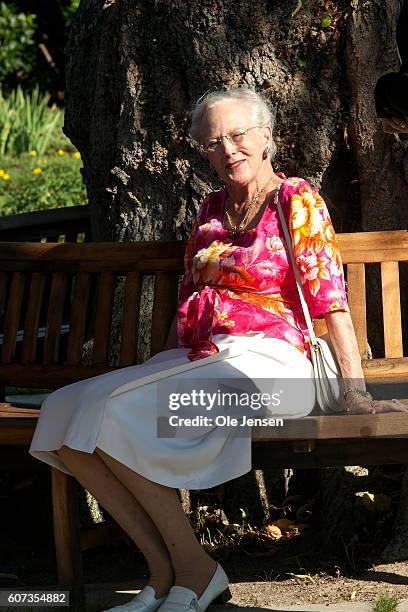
(235, 230)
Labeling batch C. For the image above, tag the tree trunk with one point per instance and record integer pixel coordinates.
(397, 548)
(382, 162)
(136, 67)
(382, 159)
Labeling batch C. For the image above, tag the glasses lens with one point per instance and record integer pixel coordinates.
(237, 137)
(212, 145)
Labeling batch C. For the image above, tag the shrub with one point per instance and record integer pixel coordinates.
(26, 122)
(33, 182)
(17, 46)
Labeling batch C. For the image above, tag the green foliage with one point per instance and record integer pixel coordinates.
(58, 139)
(386, 603)
(26, 122)
(31, 182)
(69, 11)
(326, 21)
(17, 47)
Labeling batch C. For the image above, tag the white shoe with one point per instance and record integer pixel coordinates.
(145, 601)
(181, 599)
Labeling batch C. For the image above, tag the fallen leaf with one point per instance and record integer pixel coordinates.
(302, 577)
(284, 529)
(273, 531)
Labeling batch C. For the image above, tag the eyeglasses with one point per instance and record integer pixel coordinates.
(234, 138)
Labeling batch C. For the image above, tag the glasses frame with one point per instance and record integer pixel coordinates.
(218, 141)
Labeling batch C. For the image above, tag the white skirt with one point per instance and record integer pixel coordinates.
(118, 412)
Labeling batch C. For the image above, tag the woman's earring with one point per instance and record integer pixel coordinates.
(265, 153)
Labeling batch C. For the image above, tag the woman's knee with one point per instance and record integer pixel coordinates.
(67, 451)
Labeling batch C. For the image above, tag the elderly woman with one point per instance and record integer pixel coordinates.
(239, 317)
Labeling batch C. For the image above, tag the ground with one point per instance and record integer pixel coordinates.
(290, 574)
(262, 572)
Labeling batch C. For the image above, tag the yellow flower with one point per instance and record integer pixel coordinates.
(33, 152)
(61, 152)
(77, 155)
(6, 176)
(1, 172)
(307, 221)
(37, 170)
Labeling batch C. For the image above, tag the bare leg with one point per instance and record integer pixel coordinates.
(193, 568)
(95, 476)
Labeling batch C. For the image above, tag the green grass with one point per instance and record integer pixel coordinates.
(386, 603)
(36, 182)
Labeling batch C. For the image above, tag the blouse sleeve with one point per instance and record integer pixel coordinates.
(316, 249)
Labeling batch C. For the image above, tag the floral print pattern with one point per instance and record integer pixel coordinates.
(245, 284)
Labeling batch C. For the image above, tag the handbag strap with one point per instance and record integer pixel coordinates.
(288, 239)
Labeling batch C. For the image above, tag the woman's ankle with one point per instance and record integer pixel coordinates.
(161, 583)
(197, 576)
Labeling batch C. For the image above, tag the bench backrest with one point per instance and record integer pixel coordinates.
(71, 224)
(75, 291)
(80, 287)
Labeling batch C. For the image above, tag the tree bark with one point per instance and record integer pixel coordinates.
(136, 67)
(397, 548)
(382, 159)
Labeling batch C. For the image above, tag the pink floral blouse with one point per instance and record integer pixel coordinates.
(245, 284)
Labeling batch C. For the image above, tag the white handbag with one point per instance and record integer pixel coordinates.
(328, 379)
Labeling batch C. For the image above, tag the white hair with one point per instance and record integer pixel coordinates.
(261, 112)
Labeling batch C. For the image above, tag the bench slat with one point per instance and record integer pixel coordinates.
(385, 370)
(54, 317)
(130, 319)
(106, 287)
(32, 319)
(7, 409)
(12, 317)
(330, 427)
(371, 247)
(3, 289)
(164, 308)
(78, 314)
(52, 376)
(357, 303)
(391, 309)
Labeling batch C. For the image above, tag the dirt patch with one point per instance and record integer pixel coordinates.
(262, 573)
(288, 576)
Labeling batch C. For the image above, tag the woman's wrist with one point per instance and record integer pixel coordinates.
(355, 391)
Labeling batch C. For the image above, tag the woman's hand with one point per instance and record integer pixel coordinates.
(357, 404)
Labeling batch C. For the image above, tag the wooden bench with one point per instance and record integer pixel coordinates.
(113, 275)
(71, 224)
